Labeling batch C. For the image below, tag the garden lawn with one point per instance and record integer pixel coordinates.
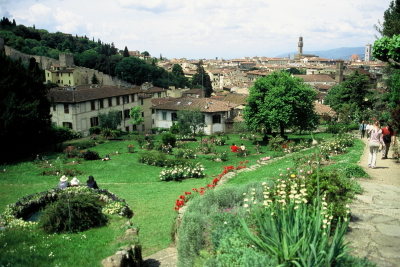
(151, 200)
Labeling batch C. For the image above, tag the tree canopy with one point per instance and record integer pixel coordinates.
(190, 121)
(202, 80)
(279, 100)
(351, 96)
(25, 120)
(391, 23)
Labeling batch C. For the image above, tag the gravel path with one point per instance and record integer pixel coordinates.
(374, 230)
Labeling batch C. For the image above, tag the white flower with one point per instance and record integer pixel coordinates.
(246, 205)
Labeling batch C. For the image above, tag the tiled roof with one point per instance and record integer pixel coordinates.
(154, 90)
(161, 100)
(85, 93)
(204, 104)
(236, 99)
(324, 109)
(193, 91)
(316, 78)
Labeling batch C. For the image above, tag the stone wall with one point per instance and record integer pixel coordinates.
(65, 60)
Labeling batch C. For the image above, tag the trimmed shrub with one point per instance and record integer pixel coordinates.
(94, 130)
(73, 214)
(276, 143)
(90, 155)
(168, 139)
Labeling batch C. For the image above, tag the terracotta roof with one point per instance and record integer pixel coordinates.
(236, 99)
(316, 78)
(193, 91)
(324, 109)
(161, 100)
(85, 93)
(205, 104)
(154, 90)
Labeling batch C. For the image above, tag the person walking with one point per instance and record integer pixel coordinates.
(368, 128)
(374, 142)
(363, 127)
(389, 136)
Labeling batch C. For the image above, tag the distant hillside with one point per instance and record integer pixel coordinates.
(338, 53)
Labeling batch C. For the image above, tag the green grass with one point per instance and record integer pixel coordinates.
(151, 200)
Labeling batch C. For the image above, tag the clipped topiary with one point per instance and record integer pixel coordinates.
(72, 214)
(90, 155)
(168, 139)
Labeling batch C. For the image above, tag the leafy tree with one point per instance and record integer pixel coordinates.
(353, 93)
(126, 52)
(178, 78)
(94, 79)
(25, 119)
(136, 116)
(109, 120)
(202, 80)
(146, 54)
(190, 121)
(391, 23)
(296, 71)
(280, 101)
(133, 70)
(60, 135)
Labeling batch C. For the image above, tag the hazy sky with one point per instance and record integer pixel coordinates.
(207, 28)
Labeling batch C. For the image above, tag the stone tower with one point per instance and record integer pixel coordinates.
(368, 52)
(300, 46)
(66, 59)
(339, 71)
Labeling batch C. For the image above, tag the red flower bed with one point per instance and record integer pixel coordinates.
(182, 198)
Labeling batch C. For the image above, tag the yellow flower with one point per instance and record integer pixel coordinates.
(292, 175)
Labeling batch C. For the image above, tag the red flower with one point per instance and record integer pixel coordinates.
(187, 193)
(215, 181)
(195, 189)
(246, 161)
(176, 208)
(182, 197)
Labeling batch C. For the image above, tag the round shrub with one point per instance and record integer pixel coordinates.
(90, 155)
(73, 214)
(168, 139)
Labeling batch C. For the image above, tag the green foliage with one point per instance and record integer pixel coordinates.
(353, 92)
(279, 100)
(355, 171)
(110, 120)
(202, 80)
(94, 79)
(25, 119)
(136, 116)
(276, 143)
(168, 139)
(74, 214)
(62, 134)
(391, 23)
(94, 130)
(190, 121)
(174, 129)
(338, 189)
(160, 160)
(90, 155)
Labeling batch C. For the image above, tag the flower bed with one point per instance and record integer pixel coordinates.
(180, 172)
(16, 214)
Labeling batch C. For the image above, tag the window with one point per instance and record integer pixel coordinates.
(120, 114)
(67, 125)
(164, 116)
(66, 108)
(54, 107)
(143, 127)
(142, 114)
(118, 101)
(134, 128)
(94, 121)
(127, 128)
(101, 102)
(93, 105)
(152, 121)
(159, 94)
(132, 98)
(125, 99)
(48, 74)
(126, 114)
(69, 81)
(141, 101)
(174, 117)
(152, 111)
(110, 102)
(216, 118)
